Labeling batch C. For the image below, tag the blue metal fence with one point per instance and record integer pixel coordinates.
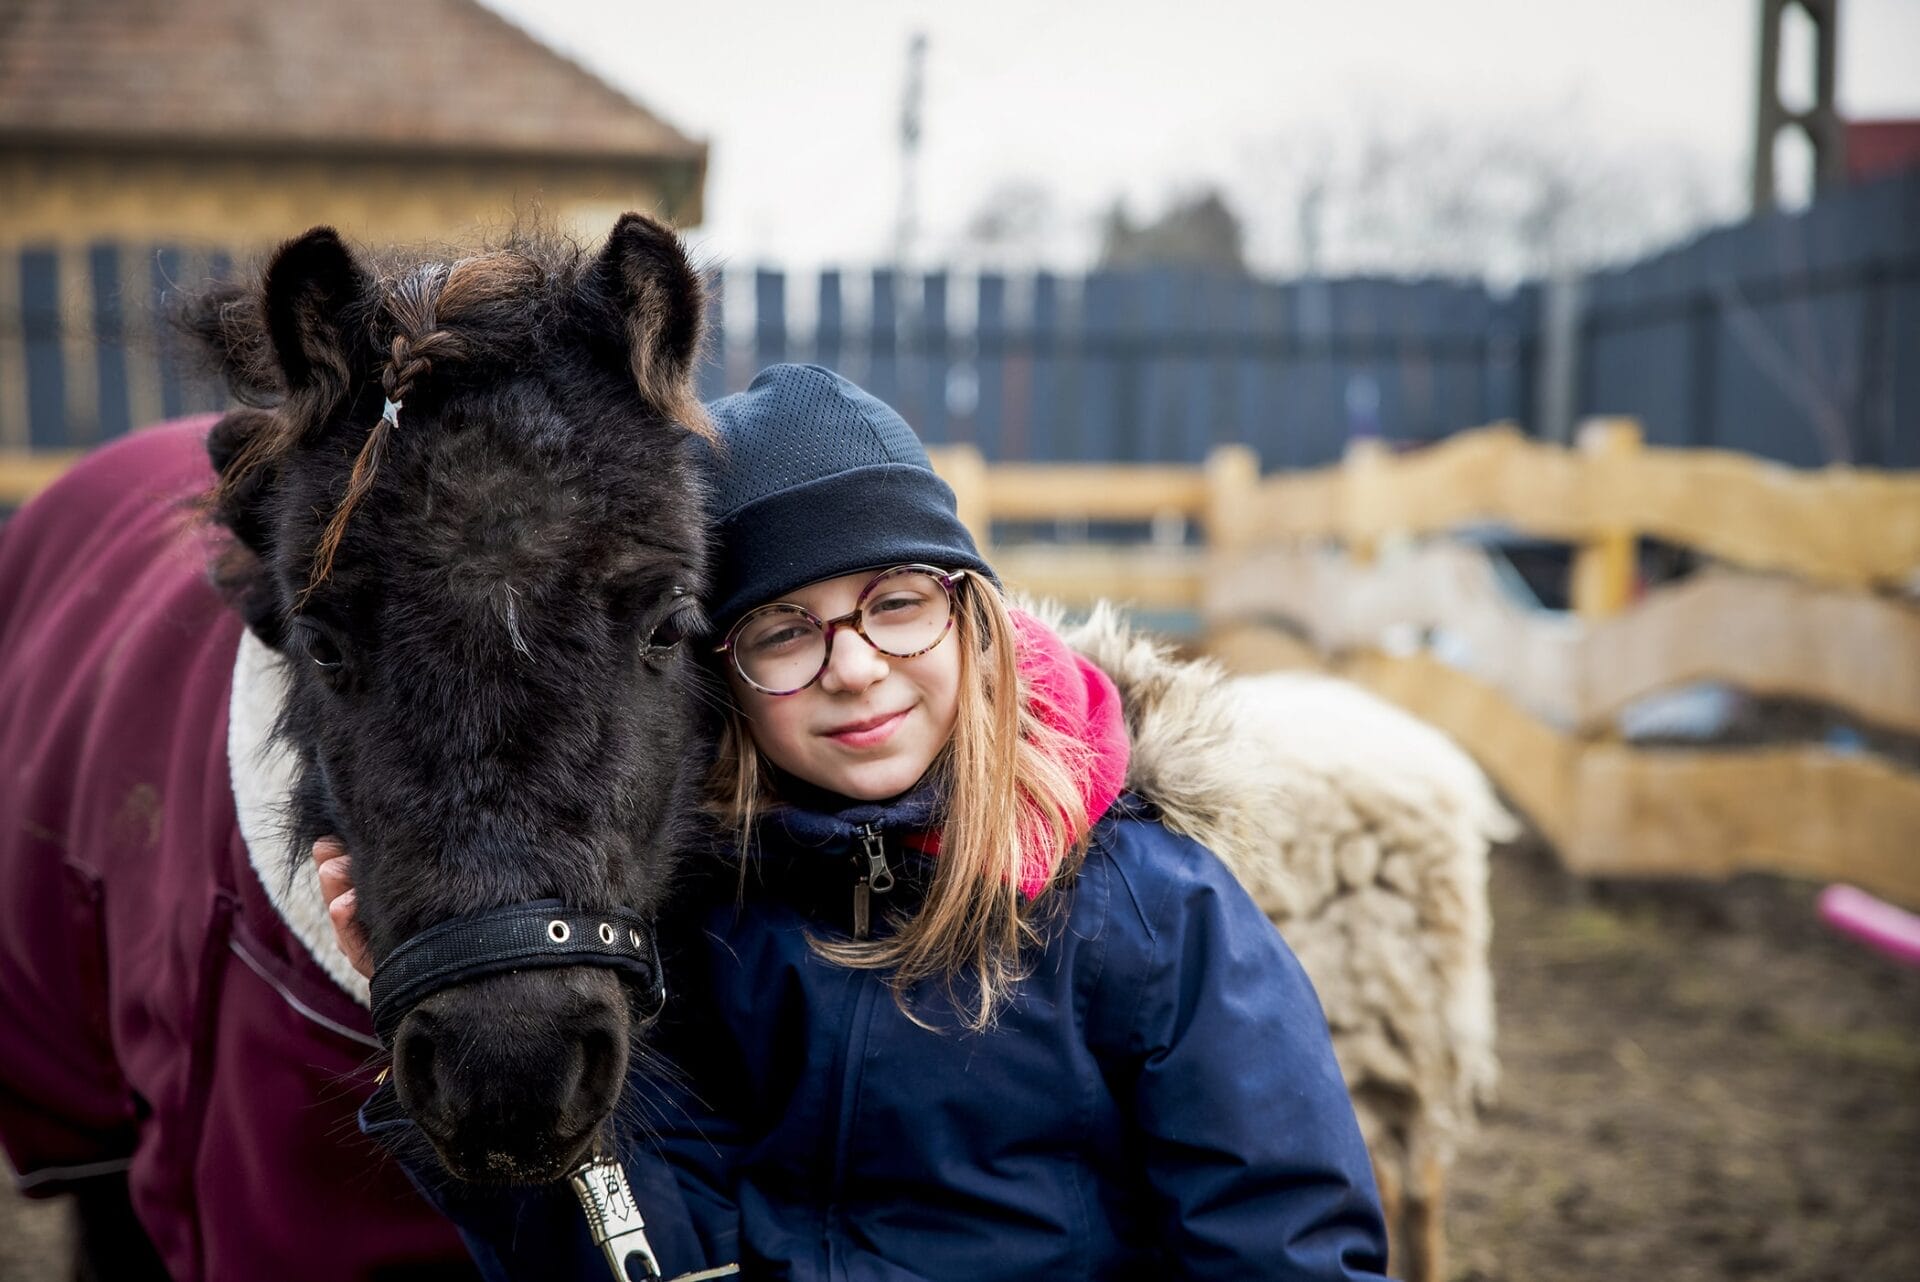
(1153, 366)
(1797, 338)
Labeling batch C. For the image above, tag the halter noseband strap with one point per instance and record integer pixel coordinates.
(526, 936)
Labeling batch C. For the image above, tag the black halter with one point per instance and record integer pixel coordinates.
(526, 936)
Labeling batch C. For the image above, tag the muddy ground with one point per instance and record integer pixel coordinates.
(1698, 1083)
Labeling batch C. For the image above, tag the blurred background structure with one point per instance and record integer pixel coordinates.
(1551, 368)
(1441, 273)
(145, 145)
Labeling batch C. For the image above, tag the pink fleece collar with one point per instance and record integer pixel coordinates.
(1077, 699)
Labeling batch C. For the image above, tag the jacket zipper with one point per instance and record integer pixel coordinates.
(872, 876)
(841, 1119)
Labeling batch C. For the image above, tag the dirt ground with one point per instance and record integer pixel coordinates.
(1697, 1083)
(33, 1239)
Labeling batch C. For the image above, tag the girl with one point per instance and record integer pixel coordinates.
(953, 1004)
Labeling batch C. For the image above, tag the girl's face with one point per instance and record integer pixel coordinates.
(872, 724)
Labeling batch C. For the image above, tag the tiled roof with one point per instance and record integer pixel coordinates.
(1876, 147)
(350, 75)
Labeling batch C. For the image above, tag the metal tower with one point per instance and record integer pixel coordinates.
(1820, 122)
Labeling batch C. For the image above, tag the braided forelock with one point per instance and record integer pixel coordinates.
(413, 302)
(426, 306)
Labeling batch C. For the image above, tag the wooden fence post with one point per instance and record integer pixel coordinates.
(1363, 509)
(1233, 484)
(1226, 516)
(965, 469)
(14, 406)
(1604, 565)
(79, 344)
(143, 341)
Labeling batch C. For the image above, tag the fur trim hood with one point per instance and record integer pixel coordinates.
(1362, 833)
(1229, 760)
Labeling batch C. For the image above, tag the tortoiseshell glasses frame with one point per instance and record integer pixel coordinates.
(914, 630)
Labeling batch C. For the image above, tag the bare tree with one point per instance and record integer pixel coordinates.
(1016, 226)
(1505, 200)
(1198, 229)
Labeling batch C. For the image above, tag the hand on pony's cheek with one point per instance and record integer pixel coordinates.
(336, 888)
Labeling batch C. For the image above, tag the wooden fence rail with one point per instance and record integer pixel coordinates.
(1762, 633)
(1844, 526)
(25, 473)
(1355, 560)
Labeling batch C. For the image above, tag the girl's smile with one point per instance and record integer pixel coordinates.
(869, 733)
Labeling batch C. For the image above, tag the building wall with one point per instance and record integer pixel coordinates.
(89, 240)
(75, 197)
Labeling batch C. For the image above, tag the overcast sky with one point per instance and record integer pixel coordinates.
(1093, 100)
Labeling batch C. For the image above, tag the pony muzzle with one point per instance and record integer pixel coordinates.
(508, 1073)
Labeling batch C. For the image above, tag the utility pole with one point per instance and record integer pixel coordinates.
(906, 223)
(1820, 122)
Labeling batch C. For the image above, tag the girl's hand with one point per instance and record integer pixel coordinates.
(336, 886)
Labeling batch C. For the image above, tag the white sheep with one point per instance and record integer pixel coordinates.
(1363, 833)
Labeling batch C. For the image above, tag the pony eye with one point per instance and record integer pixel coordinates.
(683, 619)
(319, 647)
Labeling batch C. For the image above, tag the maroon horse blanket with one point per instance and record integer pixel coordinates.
(158, 1015)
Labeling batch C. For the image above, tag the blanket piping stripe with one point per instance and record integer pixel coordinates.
(259, 968)
(84, 1171)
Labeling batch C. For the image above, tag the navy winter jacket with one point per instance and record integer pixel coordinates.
(1159, 1098)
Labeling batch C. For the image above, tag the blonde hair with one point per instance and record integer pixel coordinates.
(1001, 810)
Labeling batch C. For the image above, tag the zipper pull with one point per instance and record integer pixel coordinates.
(872, 876)
(879, 872)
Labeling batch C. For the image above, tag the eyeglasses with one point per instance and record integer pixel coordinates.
(903, 612)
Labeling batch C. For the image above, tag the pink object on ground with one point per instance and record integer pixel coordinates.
(1874, 922)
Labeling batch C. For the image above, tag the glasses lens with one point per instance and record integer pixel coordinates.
(779, 648)
(906, 612)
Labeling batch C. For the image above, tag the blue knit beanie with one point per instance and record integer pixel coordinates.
(815, 478)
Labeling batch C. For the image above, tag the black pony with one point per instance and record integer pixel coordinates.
(464, 511)
(484, 589)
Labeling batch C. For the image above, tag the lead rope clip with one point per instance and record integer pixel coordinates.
(612, 1216)
(614, 1220)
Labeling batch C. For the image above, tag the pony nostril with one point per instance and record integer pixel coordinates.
(603, 1067)
(414, 1077)
(596, 1045)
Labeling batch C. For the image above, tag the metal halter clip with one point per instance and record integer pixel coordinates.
(612, 1216)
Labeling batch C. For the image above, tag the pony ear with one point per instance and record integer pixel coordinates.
(313, 286)
(662, 299)
(240, 446)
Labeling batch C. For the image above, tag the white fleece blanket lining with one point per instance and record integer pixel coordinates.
(263, 771)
